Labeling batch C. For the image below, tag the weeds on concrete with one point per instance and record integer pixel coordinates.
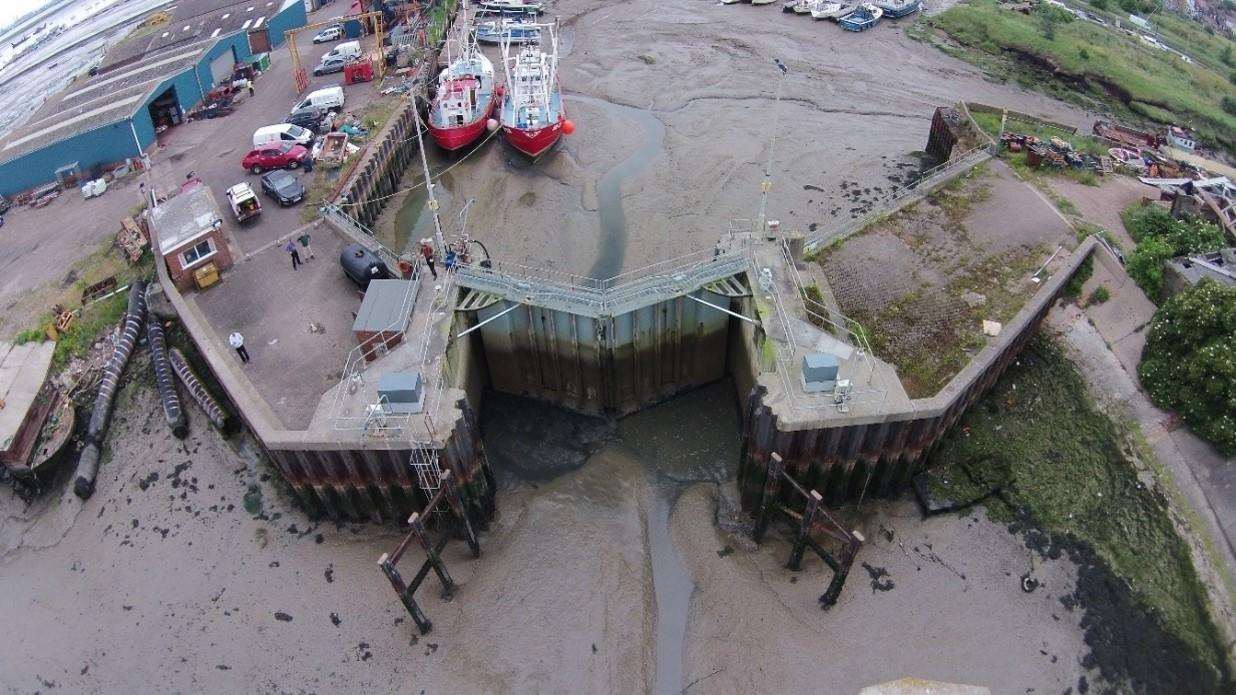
(1072, 478)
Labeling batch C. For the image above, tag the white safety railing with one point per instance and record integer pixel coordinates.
(919, 188)
(612, 296)
(869, 387)
(376, 417)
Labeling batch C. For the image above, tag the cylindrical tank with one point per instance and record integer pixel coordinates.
(362, 265)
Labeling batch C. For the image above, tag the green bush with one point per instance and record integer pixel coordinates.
(1189, 362)
(1099, 295)
(1160, 237)
(1073, 288)
(1101, 4)
(30, 335)
(1229, 105)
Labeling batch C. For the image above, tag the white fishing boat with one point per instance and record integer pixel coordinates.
(762, 2)
(802, 7)
(832, 10)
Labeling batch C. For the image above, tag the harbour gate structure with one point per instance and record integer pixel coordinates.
(404, 407)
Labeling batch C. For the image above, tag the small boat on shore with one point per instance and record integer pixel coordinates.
(862, 18)
(898, 8)
(516, 32)
(762, 2)
(832, 10)
(466, 96)
(532, 116)
(512, 6)
(799, 6)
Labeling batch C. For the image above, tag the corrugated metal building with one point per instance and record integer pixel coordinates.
(111, 115)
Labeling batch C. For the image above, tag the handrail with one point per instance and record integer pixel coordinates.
(928, 180)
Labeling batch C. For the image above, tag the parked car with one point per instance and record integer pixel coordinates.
(283, 187)
(308, 118)
(280, 133)
(348, 50)
(328, 34)
(244, 202)
(285, 156)
(326, 99)
(330, 64)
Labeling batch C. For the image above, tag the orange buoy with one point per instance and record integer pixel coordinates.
(568, 126)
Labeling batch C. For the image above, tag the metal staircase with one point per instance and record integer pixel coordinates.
(428, 472)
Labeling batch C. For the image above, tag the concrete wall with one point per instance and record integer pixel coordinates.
(846, 457)
(612, 365)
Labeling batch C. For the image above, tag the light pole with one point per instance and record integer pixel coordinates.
(433, 202)
(766, 184)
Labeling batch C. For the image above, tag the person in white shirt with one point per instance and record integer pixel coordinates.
(237, 341)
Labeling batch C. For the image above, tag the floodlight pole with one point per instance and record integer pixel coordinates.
(433, 202)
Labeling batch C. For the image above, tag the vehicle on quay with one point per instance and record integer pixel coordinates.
(283, 156)
(348, 50)
(466, 96)
(326, 99)
(330, 64)
(532, 116)
(309, 118)
(244, 202)
(328, 34)
(280, 133)
(283, 187)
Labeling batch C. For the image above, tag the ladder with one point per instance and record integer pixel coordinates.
(428, 472)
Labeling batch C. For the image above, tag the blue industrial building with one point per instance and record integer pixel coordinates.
(114, 113)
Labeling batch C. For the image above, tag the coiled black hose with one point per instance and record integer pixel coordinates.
(88, 464)
(173, 413)
(218, 416)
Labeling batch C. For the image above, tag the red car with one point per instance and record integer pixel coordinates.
(276, 156)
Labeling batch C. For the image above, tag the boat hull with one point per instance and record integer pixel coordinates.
(457, 137)
(533, 141)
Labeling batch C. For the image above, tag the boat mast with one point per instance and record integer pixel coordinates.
(766, 184)
(433, 202)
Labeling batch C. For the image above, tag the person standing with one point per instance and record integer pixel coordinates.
(237, 341)
(249, 84)
(427, 252)
(304, 243)
(290, 247)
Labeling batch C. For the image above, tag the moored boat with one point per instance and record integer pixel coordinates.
(762, 2)
(466, 96)
(512, 6)
(532, 116)
(898, 8)
(515, 31)
(862, 19)
(800, 6)
(832, 10)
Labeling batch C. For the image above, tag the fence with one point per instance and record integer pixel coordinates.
(904, 196)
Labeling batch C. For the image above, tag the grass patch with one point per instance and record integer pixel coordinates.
(94, 321)
(1113, 69)
(1071, 471)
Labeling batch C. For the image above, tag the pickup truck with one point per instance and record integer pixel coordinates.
(244, 202)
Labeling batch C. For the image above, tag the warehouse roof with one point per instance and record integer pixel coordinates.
(135, 68)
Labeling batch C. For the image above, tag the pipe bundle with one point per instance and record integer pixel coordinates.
(218, 416)
(165, 379)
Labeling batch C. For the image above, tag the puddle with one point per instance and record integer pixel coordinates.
(413, 220)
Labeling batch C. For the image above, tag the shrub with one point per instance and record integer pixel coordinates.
(1073, 288)
(1099, 295)
(1145, 265)
(1101, 4)
(1189, 362)
(1083, 54)
(1229, 105)
(30, 335)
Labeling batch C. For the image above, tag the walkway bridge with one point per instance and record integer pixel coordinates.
(607, 346)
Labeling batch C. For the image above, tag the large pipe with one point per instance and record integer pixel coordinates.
(96, 431)
(165, 379)
(218, 416)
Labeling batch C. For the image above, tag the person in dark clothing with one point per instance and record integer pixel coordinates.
(427, 252)
(290, 247)
(237, 341)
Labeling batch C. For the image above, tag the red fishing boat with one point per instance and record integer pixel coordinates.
(532, 116)
(466, 95)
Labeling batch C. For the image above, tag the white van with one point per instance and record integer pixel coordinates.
(322, 99)
(280, 133)
(348, 50)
